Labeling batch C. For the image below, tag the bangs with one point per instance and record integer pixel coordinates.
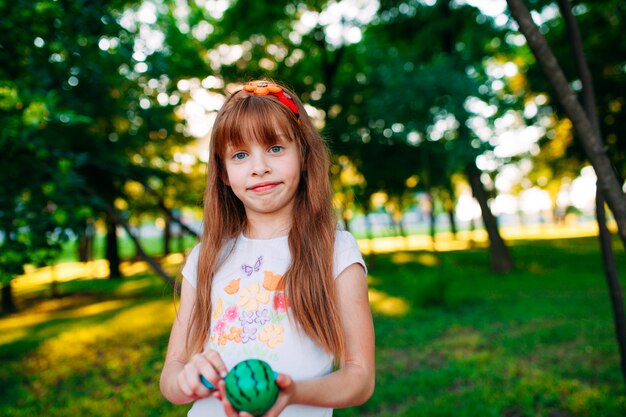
(258, 119)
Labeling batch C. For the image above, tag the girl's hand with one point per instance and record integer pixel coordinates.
(208, 364)
(285, 396)
(286, 386)
(228, 408)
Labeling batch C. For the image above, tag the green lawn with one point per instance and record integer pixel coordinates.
(453, 339)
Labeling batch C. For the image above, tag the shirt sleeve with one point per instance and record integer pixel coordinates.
(190, 270)
(346, 253)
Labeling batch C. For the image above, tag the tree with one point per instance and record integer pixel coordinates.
(87, 100)
(408, 86)
(589, 139)
(585, 120)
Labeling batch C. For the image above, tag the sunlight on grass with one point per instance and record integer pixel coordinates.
(76, 349)
(386, 304)
(445, 241)
(31, 319)
(67, 271)
(15, 327)
(462, 343)
(135, 285)
(426, 259)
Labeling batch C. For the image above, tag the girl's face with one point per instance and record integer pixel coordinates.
(264, 177)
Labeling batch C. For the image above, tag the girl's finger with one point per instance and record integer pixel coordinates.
(208, 374)
(228, 408)
(192, 380)
(216, 360)
(184, 386)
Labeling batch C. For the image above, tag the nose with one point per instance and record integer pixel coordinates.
(260, 166)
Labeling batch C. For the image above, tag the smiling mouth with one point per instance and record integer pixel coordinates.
(266, 186)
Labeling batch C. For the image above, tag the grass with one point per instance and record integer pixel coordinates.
(452, 339)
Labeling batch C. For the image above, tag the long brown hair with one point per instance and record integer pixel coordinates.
(308, 282)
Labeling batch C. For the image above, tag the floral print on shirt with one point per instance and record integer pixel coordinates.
(252, 311)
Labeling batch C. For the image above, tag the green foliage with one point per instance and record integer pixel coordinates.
(80, 118)
(600, 25)
(536, 342)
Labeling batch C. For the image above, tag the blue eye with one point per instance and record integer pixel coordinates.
(239, 156)
(276, 149)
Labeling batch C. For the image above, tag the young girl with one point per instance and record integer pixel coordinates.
(272, 277)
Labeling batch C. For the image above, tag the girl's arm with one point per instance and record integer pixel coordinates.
(353, 383)
(180, 378)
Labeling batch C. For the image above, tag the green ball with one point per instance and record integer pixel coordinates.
(250, 386)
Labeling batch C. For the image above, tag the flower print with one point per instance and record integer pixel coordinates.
(218, 309)
(235, 334)
(219, 327)
(271, 282)
(262, 316)
(252, 296)
(222, 340)
(231, 313)
(232, 287)
(280, 302)
(247, 317)
(272, 335)
(248, 333)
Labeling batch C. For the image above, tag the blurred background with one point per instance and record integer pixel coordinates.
(455, 164)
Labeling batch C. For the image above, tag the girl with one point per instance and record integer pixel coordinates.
(272, 278)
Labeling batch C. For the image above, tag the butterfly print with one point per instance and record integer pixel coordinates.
(248, 270)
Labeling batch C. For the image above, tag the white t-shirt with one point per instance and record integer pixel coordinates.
(249, 315)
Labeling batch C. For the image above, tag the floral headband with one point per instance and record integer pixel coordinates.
(263, 88)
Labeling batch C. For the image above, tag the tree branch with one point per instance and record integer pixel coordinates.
(119, 220)
(589, 137)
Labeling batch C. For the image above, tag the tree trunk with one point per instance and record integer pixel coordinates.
(141, 253)
(400, 225)
(344, 218)
(112, 250)
(589, 137)
(453, 229)
(501, 260)
(604, 235)
(8, 304)
(432, 221)
(612, 281)
(86, 242)
(82, 248)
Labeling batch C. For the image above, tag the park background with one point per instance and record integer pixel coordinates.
(460, 163)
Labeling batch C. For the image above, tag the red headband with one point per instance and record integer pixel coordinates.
(263, 88)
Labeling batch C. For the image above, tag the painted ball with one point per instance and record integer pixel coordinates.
(251, 386)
